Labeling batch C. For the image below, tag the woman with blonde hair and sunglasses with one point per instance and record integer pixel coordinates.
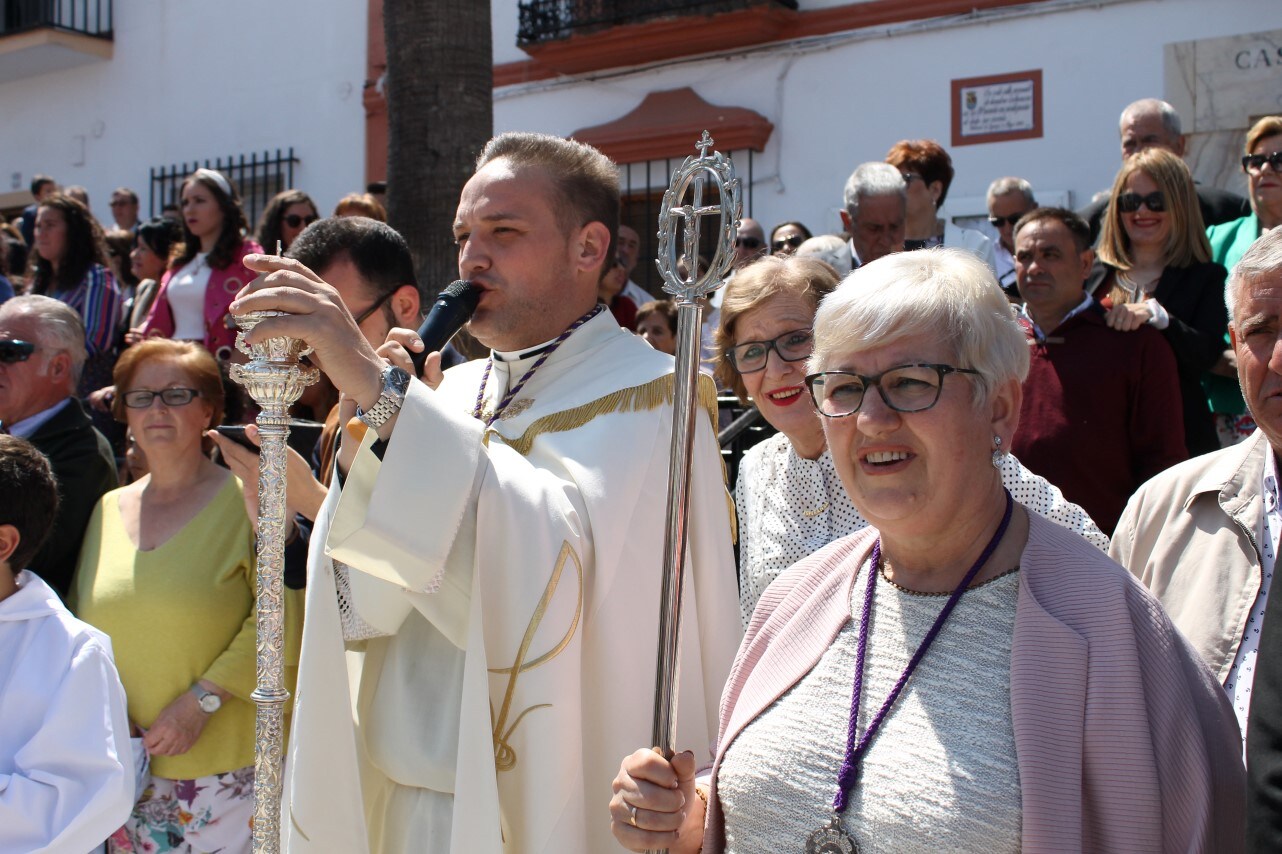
(1153, 267)
(1262, 163)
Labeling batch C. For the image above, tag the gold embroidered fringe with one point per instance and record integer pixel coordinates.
(642, 398)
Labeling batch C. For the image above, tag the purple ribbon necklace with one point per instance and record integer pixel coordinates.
(832, 838)
(516, 389)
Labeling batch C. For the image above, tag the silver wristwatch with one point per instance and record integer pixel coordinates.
(395, 384)
(208, 700)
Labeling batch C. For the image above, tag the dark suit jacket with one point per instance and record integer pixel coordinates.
(85, 469)
(1217, 206)
(1194, 298)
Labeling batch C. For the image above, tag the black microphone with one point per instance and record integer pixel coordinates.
(453, 308)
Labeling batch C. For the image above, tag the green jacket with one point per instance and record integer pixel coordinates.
(1229, 242)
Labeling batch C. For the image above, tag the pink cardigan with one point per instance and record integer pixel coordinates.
(224, 284)
(1124, 739)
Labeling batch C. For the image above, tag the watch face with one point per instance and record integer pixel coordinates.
(398, 380)
(210, 703)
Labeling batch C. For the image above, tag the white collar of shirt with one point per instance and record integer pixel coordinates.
(27, 427)
(1037, 330)
(855, 263)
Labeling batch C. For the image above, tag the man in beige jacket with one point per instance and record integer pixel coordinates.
(1204, 537)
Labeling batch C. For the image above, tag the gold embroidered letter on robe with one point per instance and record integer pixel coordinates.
(504, 756)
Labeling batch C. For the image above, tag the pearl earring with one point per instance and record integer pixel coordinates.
(997, 452)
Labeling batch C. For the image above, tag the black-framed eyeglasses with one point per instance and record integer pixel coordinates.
(12, 350)
(143, 398)
(787, 242)
(999, 221)
(295, 220)
(1255, 162)
(749, 242)
(903, 388)
(1130, 202)
(909, 177)
(378, 303)
(750, 356)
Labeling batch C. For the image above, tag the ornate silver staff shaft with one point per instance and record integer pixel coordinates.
(688, 288)
(275, 380)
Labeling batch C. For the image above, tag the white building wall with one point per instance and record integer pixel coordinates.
(195, 80)
(846, 99)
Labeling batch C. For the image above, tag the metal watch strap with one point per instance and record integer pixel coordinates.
(201, 693)
(395, 382)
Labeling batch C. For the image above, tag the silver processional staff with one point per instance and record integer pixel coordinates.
(275, 379)
(678, 262)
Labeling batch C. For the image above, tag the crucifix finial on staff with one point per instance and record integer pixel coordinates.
(705, 142)
(679, 223)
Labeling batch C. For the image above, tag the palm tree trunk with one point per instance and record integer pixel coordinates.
(439, 89)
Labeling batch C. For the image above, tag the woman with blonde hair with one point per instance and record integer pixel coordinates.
(1153, 266)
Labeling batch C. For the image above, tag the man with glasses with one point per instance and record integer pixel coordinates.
(370, 266)
(42, 352)
(1119, 389)
(1152, 123)
(1008, 200)
(124, 208)
(875, 209)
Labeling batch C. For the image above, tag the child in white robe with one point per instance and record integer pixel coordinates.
(66, 766)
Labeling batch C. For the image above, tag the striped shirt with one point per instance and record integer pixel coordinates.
(97, 300)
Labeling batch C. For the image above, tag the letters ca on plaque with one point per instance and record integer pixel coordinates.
(997, 108)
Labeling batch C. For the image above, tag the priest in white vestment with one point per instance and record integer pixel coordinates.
(504, 571)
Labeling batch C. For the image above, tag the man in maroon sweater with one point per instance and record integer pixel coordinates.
(1101, 411)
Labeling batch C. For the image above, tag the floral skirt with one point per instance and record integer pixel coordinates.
(208, 815)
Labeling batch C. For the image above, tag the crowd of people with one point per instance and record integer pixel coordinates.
(1022, 492)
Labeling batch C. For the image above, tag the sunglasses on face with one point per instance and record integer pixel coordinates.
(13, 350)
(143, 398)
(1255, 162)
(1130, 202)
(999, 221)
(294, 220)
(748, 242)
(785, 242)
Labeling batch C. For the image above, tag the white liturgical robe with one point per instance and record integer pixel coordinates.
(66, 765)
(515, 575)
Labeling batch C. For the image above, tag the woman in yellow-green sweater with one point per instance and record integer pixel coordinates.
(167, 570)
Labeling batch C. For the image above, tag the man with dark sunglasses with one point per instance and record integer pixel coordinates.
(749, 242)
(1151, 123)
(1008, 200)
(42, 352)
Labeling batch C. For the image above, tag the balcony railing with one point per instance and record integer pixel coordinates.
(549, 20)
(84, 17)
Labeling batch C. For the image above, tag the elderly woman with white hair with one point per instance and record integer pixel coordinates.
(1013, 688)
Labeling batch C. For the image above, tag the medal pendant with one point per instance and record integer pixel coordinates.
(831, 839)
